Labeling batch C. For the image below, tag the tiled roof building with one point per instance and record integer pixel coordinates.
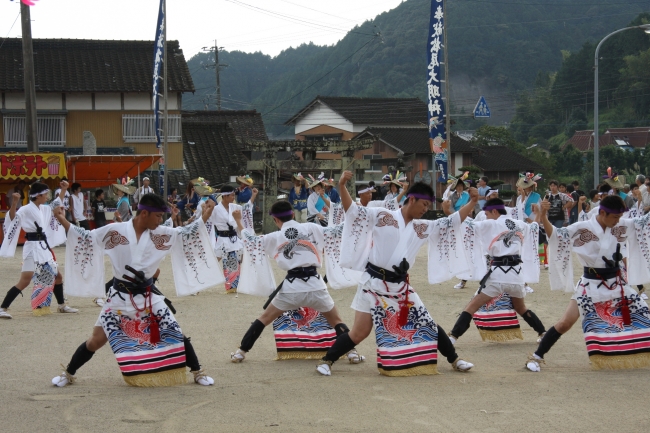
(81, 65)
(622, 137)
(247, 124)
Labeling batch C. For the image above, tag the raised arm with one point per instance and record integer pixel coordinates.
(15, 197)
(402, 192)
(236, 214)
(254, 196)
(59, 214)
(346, 199)
(207, 209)
(543, 215)
(466, 210)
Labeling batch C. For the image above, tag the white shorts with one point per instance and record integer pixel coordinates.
(319, 300)
(495, 289)
(28, 264)
(363, 301)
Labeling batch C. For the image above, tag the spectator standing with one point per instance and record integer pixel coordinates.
(20, 189)
(99, 209)
(78, 206)
(144, 189)
(483, 189)
(560, 203)
(298, 198)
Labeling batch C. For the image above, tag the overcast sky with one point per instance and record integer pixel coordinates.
(247, 25)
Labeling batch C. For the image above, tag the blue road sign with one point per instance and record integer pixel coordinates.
(481, 109)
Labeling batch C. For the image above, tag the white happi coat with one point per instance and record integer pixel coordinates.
(294, 245)
(504, 236)
(26, 218)
(388, 203)
(193, 263)
(381, 237)
(219, 220)
(590, 243)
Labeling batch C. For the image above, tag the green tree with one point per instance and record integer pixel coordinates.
(488, 135)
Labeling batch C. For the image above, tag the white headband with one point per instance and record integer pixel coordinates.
(366, 190)
(45, 191)
(227, 193)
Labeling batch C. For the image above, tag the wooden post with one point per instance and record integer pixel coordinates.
(31, 122)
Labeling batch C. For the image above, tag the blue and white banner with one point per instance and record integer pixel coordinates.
(158, 59)
(435, 104)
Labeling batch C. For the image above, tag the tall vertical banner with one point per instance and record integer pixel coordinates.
(435, 104)
(158, 54)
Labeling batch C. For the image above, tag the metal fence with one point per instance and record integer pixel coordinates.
(50, 130)
(141, 128)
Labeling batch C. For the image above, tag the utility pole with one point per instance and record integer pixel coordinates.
(217, 66)
(29, 80)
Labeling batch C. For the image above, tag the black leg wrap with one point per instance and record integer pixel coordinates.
(534, 322)
(11, 295)
(462, 324)
(445, 347)
(251, 335)
(550, 338)
(341, 328)
(80, 357)
(191, 359)
(58, 294)
(341, 346)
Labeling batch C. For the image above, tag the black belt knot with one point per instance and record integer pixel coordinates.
(385, 274)
(231, 233)
(127, 287)
(600, 273)
(513, 260)
(36, 237)
(303, 273)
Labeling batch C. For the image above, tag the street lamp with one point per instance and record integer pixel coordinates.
(645, 27)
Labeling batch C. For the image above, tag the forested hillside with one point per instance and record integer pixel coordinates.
(496, 48)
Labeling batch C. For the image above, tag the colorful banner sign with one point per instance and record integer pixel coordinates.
(32, 166)
(435, 104)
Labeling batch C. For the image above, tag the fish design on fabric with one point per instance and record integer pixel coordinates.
(391, 323)
(308, 316)
(492, 303)
(606, 310)
(134, 328)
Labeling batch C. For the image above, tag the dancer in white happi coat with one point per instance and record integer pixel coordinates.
(383, 244)
(511, 246)
(228, 247)
(39, 264)
(615, 320)
(297, 248)
(136, 320)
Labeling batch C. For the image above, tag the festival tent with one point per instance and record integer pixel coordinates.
(96, 171)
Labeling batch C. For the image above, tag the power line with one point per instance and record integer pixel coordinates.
(323, 76)
(294, 19)
(12, 26)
